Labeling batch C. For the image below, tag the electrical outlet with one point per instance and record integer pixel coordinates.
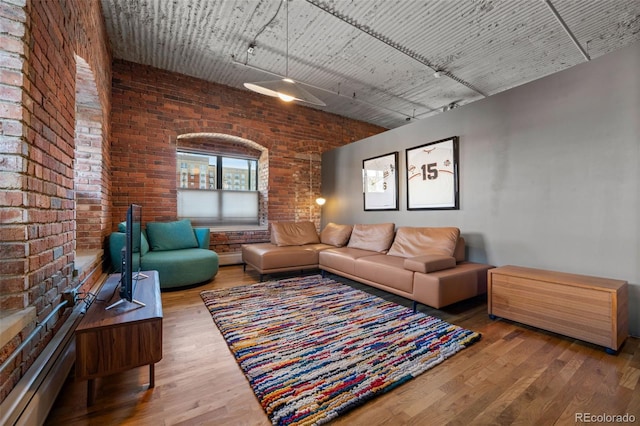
(70, 296)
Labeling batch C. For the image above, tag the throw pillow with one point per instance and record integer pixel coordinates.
(144, 244)
(377, 237)
(412, 242)
(336, 235)
(176, 235)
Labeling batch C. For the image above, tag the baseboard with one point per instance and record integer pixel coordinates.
(234, 258)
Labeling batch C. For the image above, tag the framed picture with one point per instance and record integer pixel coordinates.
(432, 176)
(380, 182)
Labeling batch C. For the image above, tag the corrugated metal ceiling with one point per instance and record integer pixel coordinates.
(349, 53)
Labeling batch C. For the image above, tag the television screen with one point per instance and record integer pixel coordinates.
(131, 254)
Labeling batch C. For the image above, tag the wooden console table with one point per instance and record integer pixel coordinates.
(588, 308)
(121, 338)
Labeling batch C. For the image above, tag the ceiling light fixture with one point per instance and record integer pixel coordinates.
(285, 89)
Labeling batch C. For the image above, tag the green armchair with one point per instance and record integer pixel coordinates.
(179, 252)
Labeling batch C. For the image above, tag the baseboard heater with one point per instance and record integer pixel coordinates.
(31, 399)
(230, 258)
(33, 396)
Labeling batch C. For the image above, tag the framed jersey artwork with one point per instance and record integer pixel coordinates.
(432, 176)
(380, 182)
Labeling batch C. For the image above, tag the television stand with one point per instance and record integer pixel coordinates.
(119, 339)
(138, 276)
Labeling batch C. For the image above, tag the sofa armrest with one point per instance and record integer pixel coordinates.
(429, 263)
(202, 235)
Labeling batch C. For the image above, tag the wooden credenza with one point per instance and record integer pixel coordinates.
(588, 308)
(121, 338)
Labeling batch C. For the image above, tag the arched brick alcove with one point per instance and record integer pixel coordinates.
(91, 202)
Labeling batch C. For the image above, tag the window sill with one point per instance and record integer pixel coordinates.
(238, 228)
(86, 258)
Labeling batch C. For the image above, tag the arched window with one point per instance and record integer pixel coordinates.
(221, 180)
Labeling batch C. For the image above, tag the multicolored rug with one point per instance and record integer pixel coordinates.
(313, 348)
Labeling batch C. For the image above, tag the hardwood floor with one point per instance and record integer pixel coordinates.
(514, 375)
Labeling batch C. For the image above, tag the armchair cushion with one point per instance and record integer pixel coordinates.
(176, 235)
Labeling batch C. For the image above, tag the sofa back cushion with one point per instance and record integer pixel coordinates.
(412, 242)
(459, 252)
(377, 237)
(293, 233)
(171, 235)
(336, 235)
(144, 243)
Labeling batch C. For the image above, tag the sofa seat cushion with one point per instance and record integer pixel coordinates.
(343, 258)
(181, 267)
(319, 247)
(294, 234)
(386, 270)
(412, 242)
(267, 256)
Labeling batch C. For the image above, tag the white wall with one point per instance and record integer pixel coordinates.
(549, 173)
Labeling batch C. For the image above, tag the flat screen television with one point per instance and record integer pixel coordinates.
(130, 266)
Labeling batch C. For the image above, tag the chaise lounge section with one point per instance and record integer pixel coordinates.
(294, 246)
(424, 264)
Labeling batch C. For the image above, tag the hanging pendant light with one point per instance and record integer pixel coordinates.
(285, 89)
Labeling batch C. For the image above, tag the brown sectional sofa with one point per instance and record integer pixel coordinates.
(425, 264)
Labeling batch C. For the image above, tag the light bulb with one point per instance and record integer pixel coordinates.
(285, 98)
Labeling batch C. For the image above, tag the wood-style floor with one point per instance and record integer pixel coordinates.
(514, 375)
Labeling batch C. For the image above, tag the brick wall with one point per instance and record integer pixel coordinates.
(152, 107)
(39, 41)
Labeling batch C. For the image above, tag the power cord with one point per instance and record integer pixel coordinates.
(252, 45)
(88, 299)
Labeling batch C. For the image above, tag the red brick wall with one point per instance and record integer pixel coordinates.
(37, 113)
(151, 107)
